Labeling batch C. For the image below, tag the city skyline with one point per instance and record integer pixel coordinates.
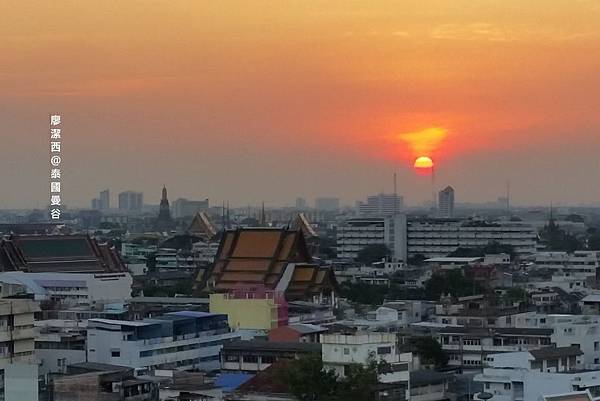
(268, 102)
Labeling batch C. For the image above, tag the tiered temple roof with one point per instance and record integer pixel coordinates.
(276, 258)
(202, 227)
(58, 253)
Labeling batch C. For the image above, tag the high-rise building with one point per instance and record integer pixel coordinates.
(104, 200)
(300, 203)
(327, 204)
(96, 204)
(381, 205)
(131, 201)
(446, 202)
(188, 208)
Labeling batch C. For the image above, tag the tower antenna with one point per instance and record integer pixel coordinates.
(395, 194)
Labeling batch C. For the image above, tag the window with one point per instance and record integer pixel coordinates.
(384, 350)
(250, 359)
(506, 386)
(487, 385)
(115, 353)
(596, 345)
(346, 351)
(268, 359)
(232, 358)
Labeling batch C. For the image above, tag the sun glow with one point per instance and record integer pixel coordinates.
(425, 141)
(424, 162)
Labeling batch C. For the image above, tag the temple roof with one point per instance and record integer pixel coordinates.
(276, 258)
(202, 226)
(58, 253)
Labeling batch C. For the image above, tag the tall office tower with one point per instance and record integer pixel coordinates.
(300, 203)
(104, 200)
(131, 201)
(446, 202)
(327, 204)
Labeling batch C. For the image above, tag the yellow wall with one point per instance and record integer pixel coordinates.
(257, 314)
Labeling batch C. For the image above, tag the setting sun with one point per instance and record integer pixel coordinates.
(423, 162)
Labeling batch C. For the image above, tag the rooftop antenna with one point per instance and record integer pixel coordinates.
(395, 194)
(508, 197)
(433, 197)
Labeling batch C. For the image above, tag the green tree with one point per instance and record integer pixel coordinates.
(450, 282)
(373, 253)
(308, 380)
(594, 241)
(430, 351)
(515, 294)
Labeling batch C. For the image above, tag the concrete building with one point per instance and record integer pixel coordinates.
(446, 203)
(327, 204)
(381, 205)
(430, 237)
(249, 310)
(69, 289)
(98, 382)
(58, 344)
(258, 355)
(18, 365)
(104, 200)
(179, 341)
(524, 376)
(437, 238)
(301, 203)
(355, 234)
(187, 208)
(341, 351)
(580, 264)
(468, 347)
(131, 201)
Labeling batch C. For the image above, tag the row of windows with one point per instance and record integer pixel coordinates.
(180, 348)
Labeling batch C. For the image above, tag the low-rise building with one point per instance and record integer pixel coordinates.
(529, 375)
(341, 351)
(103, 382)
(580, 264)
(18, 365)
(468, 347)
(69, 289)
(258, 355)
(251, 309)
(178, 341)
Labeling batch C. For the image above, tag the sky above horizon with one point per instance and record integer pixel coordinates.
(270, 100)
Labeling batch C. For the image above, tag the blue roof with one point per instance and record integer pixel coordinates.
(231, 381)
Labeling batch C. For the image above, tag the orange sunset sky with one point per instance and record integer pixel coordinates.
(268, 100)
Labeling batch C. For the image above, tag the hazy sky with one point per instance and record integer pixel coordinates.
(268, 100)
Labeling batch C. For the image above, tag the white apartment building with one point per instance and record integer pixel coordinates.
(524, 376)
(18, 365)
(381, 205)
(340, 351)
(72, 289)
(581, 264)
(430, 237)
(355, 234)
(437, 238)
(468, 347)
(179, 340)
(59, 343)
